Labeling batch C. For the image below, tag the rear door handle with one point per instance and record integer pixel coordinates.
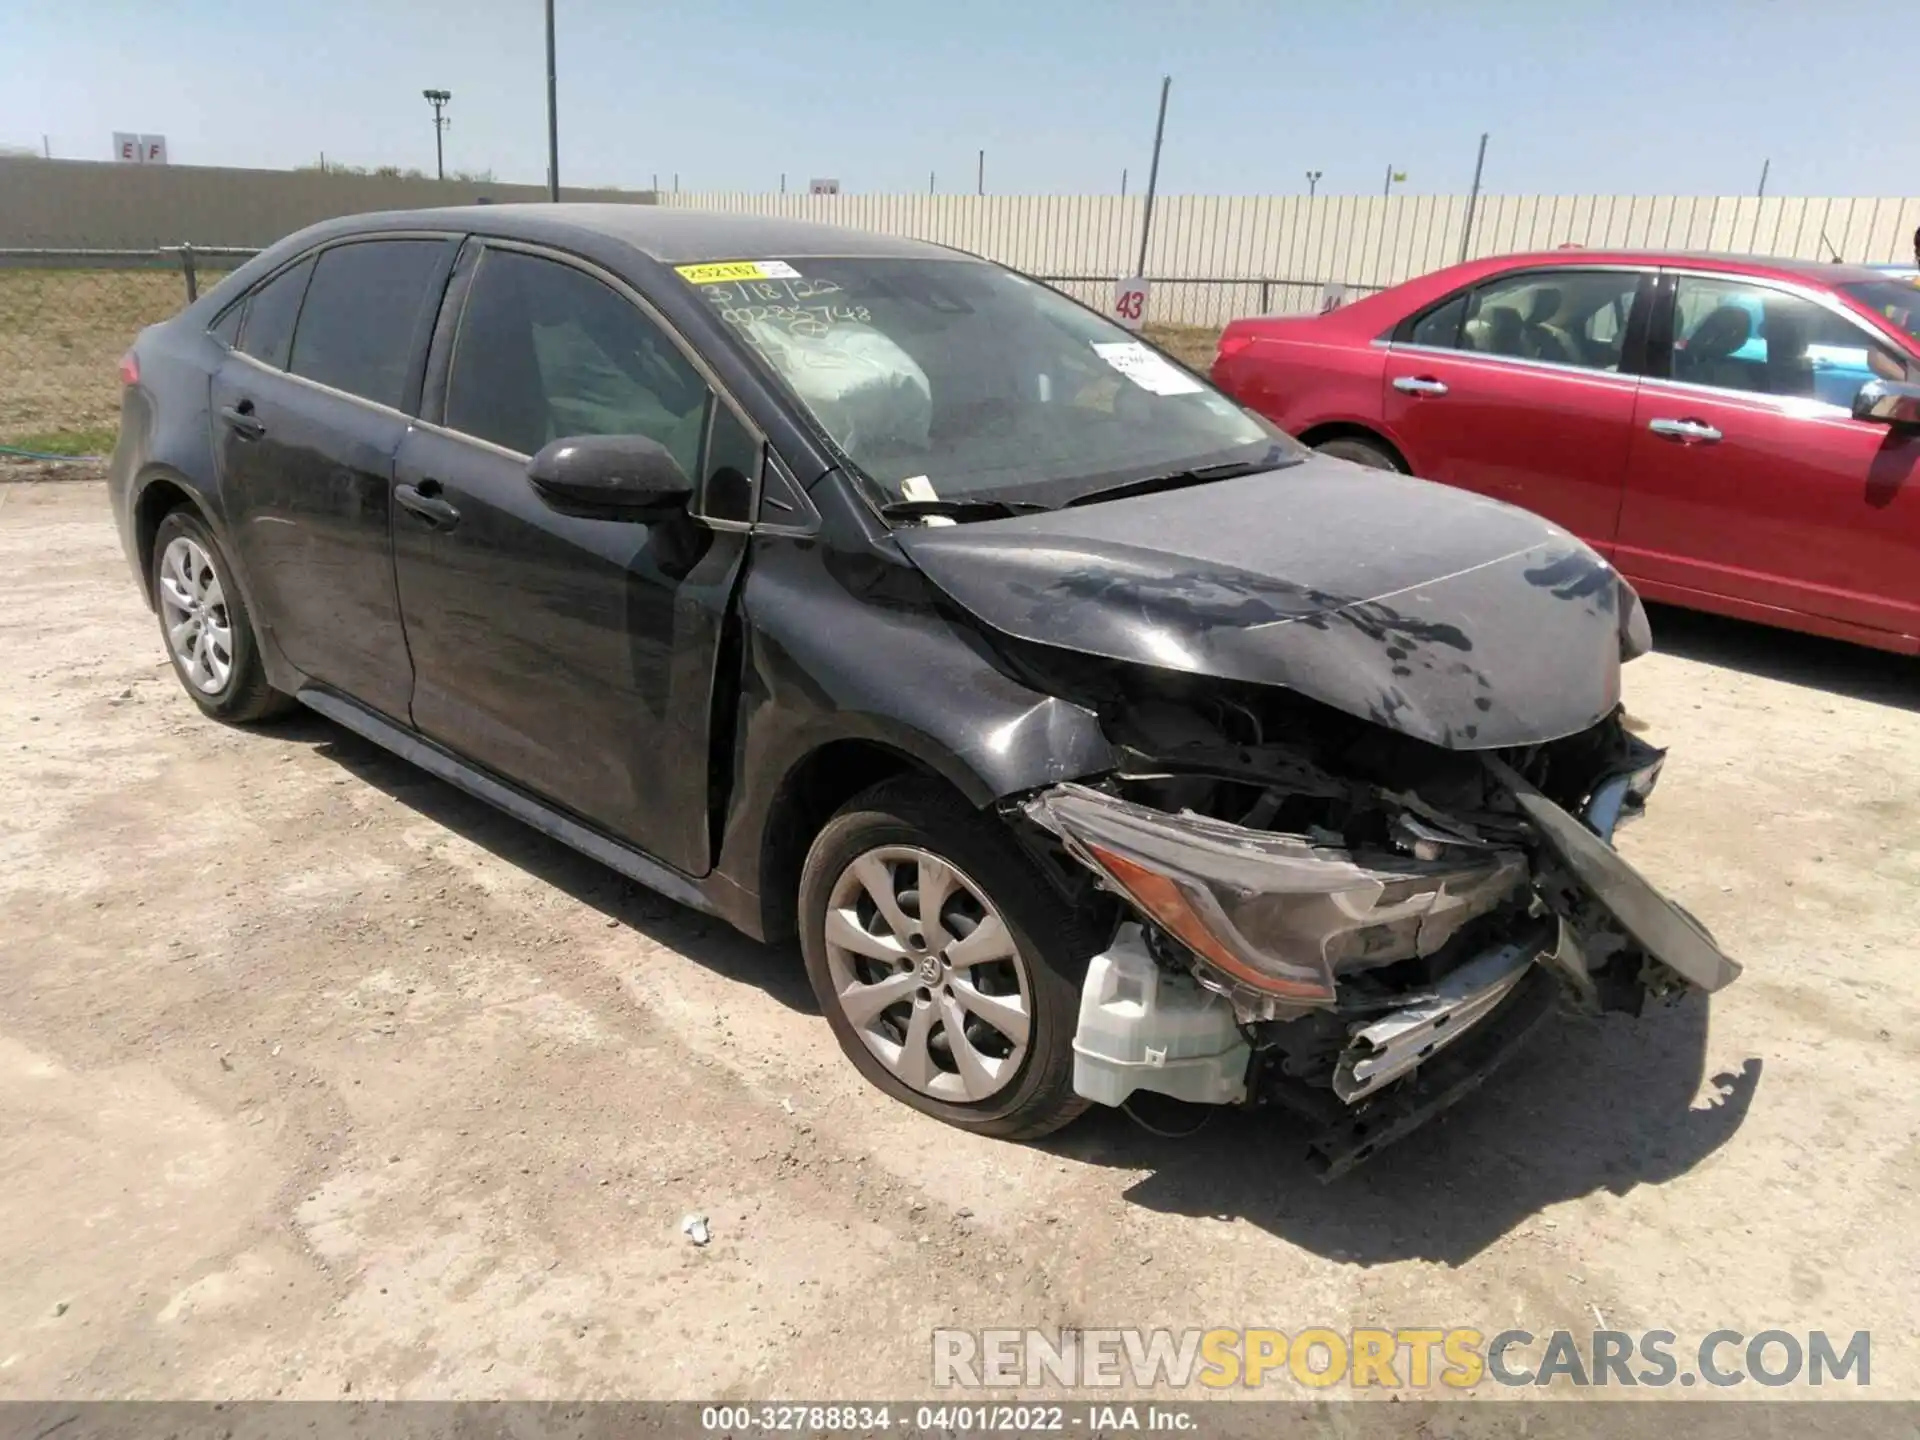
(1419, 385)
(429, 507)
(240, 419)
(1692, 432)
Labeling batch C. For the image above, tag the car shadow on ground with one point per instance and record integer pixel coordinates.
(708, 942)
(1811, 660)
(1590, 1105)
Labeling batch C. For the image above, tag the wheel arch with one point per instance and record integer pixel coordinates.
(1316, 435)
(813, 788)
(160, 494)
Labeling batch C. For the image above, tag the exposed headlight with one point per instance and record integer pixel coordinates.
(1276, 917)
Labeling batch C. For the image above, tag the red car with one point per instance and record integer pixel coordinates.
(1735, 434)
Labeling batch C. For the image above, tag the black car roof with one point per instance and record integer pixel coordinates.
(664, 233)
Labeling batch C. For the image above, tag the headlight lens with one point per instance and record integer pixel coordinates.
(1276, 917)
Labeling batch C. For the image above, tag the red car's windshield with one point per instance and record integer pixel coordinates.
(1896, 300)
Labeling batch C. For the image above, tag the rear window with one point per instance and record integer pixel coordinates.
(363, 314)
(1895, 300)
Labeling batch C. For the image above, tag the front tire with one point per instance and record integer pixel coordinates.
(205, 625)
(948, 970)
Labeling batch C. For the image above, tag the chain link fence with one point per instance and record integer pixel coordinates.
(66, 317)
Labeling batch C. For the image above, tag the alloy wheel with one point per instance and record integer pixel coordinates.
(194, 609)
(926, 971)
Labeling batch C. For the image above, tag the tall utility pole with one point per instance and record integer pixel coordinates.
(1313, 182)
(1473, 196)
(930, 182)
(1153, 175)
(1123, 184)
(980, 175)
(438, 99)
(553, 118)
(1761, 193)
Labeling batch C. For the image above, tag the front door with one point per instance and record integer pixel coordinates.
(308, 413)
(1519, 390)
(1750, 480)
(575, 657)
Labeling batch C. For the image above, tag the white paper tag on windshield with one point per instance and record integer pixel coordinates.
(917, 487)
(1144, 368)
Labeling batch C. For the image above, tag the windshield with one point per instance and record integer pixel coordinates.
(956, 380)
(1897, 300)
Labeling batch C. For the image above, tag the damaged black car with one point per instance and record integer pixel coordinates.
(1093, 737)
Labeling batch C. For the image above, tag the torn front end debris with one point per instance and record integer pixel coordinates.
(1360, 951)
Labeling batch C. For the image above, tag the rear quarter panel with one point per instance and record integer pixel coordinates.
(1305, 373)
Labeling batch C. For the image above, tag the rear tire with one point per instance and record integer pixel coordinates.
(205, 625)
(1370, 453)
(998, 955)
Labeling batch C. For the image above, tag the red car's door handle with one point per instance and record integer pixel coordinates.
(1420, 385)
(1688, 432)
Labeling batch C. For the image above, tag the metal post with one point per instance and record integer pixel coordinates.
(553, 117)
(46, 147)
(783, 182)
(189, 274)
(930, 182)
(438, 99)
(1266, 296)
(980, 176)
(1153, 174)
(1123, 184)
(1313, 182)
(1387, 189)
(1473, 197)
(1765, 165)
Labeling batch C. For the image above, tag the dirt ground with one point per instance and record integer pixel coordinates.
(319, 1078)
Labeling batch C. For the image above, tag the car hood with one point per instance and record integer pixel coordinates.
(1431, 611)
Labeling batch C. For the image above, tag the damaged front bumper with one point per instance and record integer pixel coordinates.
(1348, 985)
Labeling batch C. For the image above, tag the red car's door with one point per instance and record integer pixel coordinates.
(1748, 488)
(1522, 389)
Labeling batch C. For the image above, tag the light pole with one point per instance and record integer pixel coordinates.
(1392, 175)
(438, 99)
(1313, 182)
(553, 118)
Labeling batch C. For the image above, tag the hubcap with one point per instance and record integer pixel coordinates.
(926, 971)
(194, 608)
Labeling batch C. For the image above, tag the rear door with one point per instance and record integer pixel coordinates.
(309, 411)
(577, 657)
(1749, 478)
(1522, 389)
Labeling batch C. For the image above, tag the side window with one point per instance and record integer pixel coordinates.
(1735, 335)
(361, 321)
(227, 328)
(1440, 327)
(546, 351)
(267, 334)
(733, 459)
(1564, 317)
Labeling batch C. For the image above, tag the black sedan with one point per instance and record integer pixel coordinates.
(1092, 735)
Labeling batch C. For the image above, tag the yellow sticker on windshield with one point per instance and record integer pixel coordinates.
(717, 272)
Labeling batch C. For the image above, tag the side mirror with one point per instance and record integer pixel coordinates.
(610, 477)
(1888, 402)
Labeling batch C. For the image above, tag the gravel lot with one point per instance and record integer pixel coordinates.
(317, 1077)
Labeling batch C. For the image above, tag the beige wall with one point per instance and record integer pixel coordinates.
(1356, 240)
(62, 204)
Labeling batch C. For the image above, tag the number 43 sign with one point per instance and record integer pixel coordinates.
(1130, 302)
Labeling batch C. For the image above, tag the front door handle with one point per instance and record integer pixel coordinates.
(1419, 385)
(1688, 432)
(240, 419)
(429, 507)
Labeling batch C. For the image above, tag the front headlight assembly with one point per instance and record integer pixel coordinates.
(1275, 920)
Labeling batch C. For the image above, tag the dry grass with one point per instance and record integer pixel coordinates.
(61, 334)
(1191, 344)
